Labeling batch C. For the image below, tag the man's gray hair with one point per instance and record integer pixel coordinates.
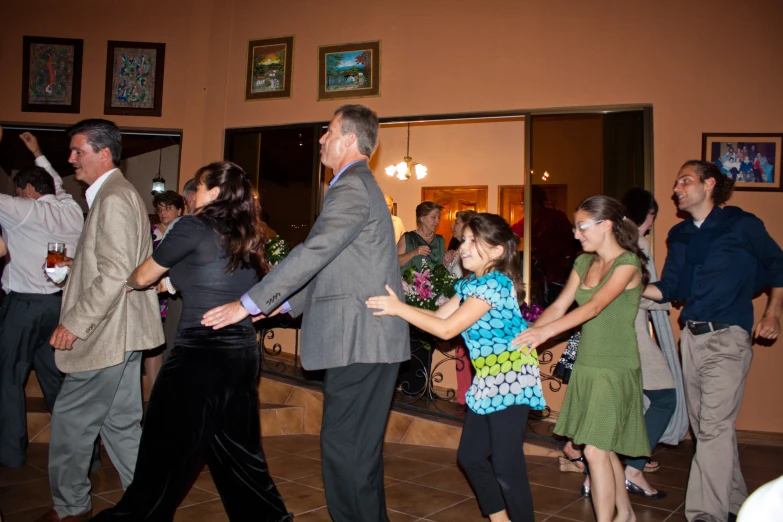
(189, 188)
(363, 122)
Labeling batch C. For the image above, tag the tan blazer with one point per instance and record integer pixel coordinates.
(107, 321)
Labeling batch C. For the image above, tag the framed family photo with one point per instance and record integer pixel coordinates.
(349, 70)
(752, 161)
(269, 68)
(134, 78)
(51, 74)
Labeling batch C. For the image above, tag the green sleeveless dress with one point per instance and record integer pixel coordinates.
(604, 404)
(437, 249)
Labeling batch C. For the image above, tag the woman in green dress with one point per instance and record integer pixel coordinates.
(604, 405)
(423, 243)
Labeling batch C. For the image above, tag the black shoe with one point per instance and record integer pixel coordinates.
(732, 517)
(636, 490)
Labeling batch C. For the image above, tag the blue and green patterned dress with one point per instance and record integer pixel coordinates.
(504, 376)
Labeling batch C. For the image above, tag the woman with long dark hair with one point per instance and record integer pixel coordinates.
(603, 406)
(204, 404)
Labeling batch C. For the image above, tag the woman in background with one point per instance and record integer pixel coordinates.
(423, 243)
(451, 259)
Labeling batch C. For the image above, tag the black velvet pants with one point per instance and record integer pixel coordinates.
(203, 407)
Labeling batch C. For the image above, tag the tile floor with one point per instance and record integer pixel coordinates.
(422, 484)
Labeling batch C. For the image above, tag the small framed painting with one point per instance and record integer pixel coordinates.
(51, 74)
(134, 78)
(270, 64)
(752, 161)
(349, 70)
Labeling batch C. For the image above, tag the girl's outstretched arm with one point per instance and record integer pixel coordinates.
(460, 318)
(563, 302)
(618, 282)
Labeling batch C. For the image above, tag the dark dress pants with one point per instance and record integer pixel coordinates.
(357, 400)
(203, 407)
(26, 323)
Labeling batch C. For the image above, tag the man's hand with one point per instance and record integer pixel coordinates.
(62, 339)
(767, 328)
(31, 142)
(449, 256)
(225, 315)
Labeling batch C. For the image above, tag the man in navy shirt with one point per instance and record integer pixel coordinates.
(717, 260)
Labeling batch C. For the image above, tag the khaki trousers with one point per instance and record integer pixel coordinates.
(714, 367)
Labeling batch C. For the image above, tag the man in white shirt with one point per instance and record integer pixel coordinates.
(41, 213)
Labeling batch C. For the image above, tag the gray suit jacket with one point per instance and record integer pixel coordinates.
(348, 256)
(107, 321)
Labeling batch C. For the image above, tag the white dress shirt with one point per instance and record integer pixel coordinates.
(93, 189)
(29, 225)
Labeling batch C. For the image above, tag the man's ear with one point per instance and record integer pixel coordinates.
(350, 139)
(105, 155)
(709, 184)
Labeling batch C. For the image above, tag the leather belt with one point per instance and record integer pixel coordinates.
(699, 328)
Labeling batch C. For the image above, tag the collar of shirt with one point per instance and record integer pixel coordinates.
(343, 170)
(93, 189)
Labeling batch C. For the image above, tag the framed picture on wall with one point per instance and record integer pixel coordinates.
(751, 160)
(349, 70)
(270, 67)
(51, 74)
(134, 78)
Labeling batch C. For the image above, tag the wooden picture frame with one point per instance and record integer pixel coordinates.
(270, 67)
(51, 74)
(134, 78)
(350, 70)
(752, 160)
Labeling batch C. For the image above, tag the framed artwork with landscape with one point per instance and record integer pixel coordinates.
(349, 70)
(752, 161)
(51, 74)
(269, 68)
(134, 78)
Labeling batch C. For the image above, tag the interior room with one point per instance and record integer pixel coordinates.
(493, 98)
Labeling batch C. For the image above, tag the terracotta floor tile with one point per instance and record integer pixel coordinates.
(674, 498)
(551, 500)
(442, 456)
(395, 448)
(420, 501)
(450, 478)
(749, 455)
(671, 459)
(11, 476)
(312, 454)
(38, 456)
(317, 481)
(761, 474)
(105, 479)
(466, 511)
(293, 467)
(670, 477)
(686, 447)
(25, 495)
(318, 515)
(292, 443)
(194, 496)
(546, 461)
(406, 469)
(206, 512)
(205, 482)
(300, 498)
(553, 477)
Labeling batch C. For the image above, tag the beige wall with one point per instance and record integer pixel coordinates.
(140, 170)
(454, 57)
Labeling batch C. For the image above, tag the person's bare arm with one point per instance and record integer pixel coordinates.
(3, 248)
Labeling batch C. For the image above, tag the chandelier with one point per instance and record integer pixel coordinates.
(158, 183)
(404, 169)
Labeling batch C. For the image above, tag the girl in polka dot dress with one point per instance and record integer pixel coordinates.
(507, 384)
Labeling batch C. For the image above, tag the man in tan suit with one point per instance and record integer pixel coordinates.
(102, 327)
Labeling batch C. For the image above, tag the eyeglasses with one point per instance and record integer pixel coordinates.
(585, 226)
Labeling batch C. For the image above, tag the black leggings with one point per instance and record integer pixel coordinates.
(490, 452)
(204, 407)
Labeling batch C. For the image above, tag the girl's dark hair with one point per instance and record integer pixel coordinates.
(493, 230)
(424, 208)
(235, 215)
(168, 198)
(624, 230)
(639, 204)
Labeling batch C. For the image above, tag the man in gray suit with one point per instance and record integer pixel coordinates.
(348, 256)
(102, 326)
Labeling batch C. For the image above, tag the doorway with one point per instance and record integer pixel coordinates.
(453, 200)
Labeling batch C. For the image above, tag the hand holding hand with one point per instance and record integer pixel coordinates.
(387, 304)
(530, 339)
(161, 287)
(225, 315)
(449, 256)
(31, 142)
(62, 339)
(767, 328)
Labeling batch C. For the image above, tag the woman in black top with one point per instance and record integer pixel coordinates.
(204, 403)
